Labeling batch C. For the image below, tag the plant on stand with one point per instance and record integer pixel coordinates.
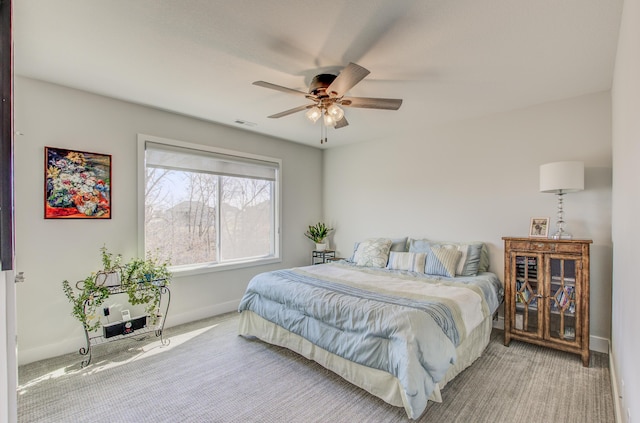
(139, 278)
(318, 233)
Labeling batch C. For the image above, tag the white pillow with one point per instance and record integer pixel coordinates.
(413, 262)
(373, 252)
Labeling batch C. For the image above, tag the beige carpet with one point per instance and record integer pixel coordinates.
(209, 374)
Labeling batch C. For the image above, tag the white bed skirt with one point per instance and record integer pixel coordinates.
(377, 382)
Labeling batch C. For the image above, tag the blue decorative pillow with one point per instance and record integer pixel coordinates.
(484, 259)
(442, 261)
(419, 245)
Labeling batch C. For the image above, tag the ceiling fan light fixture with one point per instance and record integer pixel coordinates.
(335, 112)
(329, 120)
(313, 114)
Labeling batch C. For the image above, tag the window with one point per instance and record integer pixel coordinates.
(207, 207)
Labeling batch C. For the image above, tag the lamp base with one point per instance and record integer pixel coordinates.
(561, 235)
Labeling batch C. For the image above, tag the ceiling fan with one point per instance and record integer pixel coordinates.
(327, 93)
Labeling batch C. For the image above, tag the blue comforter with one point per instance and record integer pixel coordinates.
(404, 324)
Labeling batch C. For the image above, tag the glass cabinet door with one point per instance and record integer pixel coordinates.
(562, 299)
(527, 292)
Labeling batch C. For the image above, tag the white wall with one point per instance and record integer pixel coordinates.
(478, 180)
(625, 337)
(49, 251)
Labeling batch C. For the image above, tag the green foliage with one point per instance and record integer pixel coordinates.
(318, 232)
(139, 278)
(109, 262)
(87, 302)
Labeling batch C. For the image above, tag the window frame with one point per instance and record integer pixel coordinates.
(195, 269)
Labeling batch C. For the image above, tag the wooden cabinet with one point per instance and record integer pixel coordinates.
(547, 293)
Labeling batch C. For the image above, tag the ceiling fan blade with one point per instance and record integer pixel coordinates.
(291, 111)
(372, 103)
(341, 123)
(346, 80)
(280, 88)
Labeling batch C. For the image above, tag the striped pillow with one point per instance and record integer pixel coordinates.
(413, 262)
(442, 261)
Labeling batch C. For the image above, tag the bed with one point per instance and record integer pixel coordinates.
(400, 318)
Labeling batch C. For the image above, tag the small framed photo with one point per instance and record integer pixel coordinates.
(539, 227)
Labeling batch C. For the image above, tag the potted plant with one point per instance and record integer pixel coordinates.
(111, 269)
(318, 233)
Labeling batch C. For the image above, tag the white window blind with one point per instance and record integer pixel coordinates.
(205, 207)
(179, 158)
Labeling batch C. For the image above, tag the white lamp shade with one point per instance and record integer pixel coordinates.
(562, 177)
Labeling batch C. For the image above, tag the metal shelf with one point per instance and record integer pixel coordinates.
(94, 339)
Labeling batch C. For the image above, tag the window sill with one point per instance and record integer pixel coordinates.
(179, 271)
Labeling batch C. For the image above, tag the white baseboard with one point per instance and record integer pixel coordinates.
(62, 347)
(73, 343)
(599, 344)
(596, 343)
(201, 313)
(617, 399)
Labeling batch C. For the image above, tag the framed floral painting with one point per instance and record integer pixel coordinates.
(77, 184)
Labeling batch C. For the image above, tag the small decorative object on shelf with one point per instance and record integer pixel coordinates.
(547, 293)
(144, 281)
(318, 233)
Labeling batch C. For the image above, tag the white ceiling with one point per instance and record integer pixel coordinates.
(448, 59)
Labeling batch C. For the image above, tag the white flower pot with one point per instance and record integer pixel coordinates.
(321, 246)
(108, 279)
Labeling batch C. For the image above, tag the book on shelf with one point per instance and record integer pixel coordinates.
(567, 295)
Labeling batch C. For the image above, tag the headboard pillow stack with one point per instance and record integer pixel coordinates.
(443, 258)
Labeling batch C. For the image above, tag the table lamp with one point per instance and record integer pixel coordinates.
(561, 178)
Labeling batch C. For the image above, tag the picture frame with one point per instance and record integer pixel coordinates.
(539, 227)
(77, 184)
